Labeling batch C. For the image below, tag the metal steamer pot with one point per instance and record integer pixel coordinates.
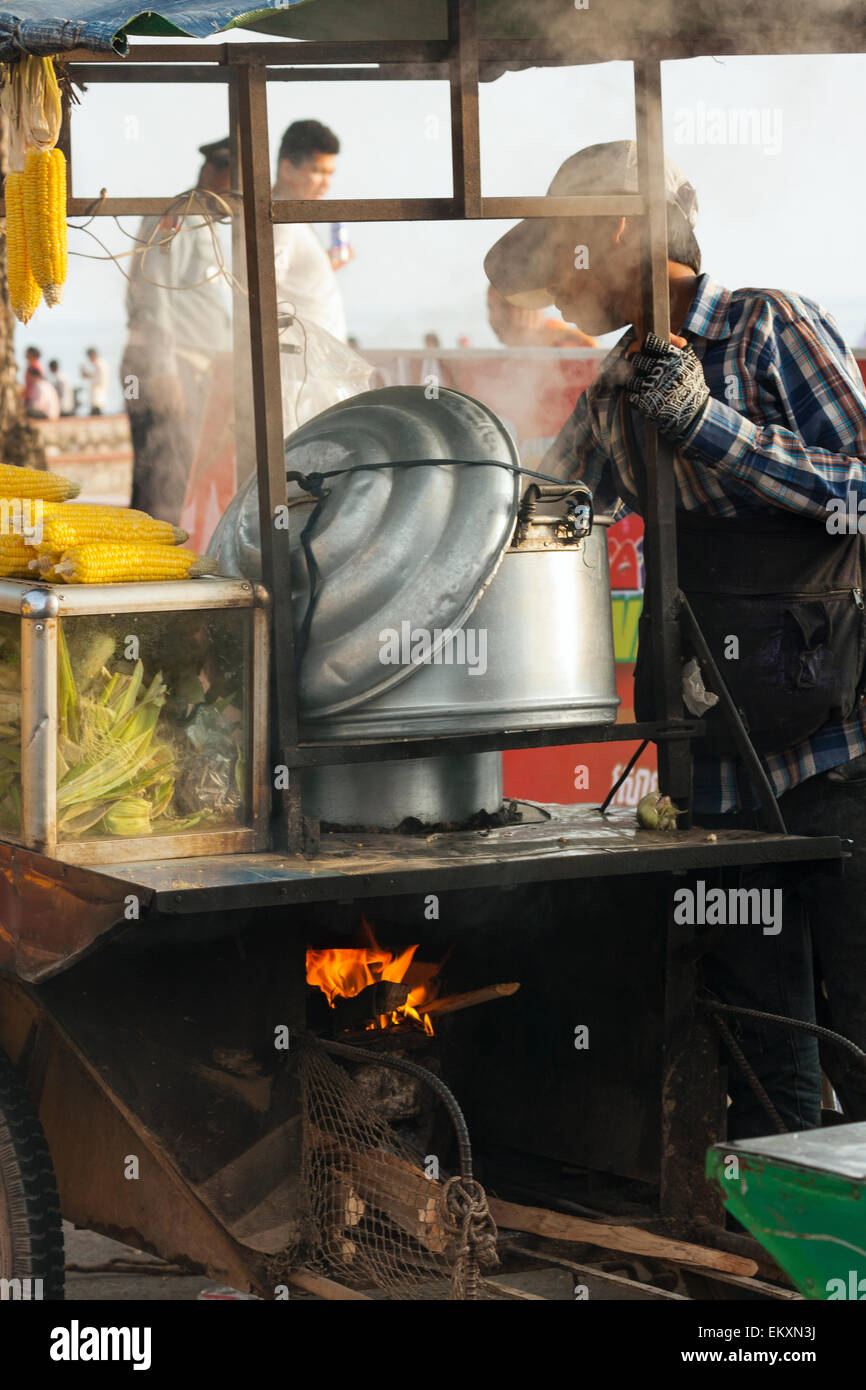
(536, 650)
(443, 601)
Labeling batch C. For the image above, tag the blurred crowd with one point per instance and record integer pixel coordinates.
(49, 394)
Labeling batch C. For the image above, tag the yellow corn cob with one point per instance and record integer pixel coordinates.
(79, 510)
(15, 558)
(34, 482)
(74, 526)
(45, 219)
(116, 563)
(24, 293)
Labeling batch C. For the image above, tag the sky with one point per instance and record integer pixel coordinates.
(772, 145)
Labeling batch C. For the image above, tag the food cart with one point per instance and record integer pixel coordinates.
(150, 993)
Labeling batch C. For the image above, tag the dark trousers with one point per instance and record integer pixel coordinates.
(822, 944)
(163, 445)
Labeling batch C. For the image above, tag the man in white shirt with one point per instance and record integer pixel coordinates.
(98, 374)
(306, 283)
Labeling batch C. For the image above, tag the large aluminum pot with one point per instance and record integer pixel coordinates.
(537, 650)
(442, 603)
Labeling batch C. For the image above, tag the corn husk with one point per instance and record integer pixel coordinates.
(129, 816)
(133, 758)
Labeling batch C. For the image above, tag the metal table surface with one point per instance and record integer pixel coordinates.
(576, 842)
(52, 913)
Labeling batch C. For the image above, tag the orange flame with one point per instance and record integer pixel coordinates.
(342, 972)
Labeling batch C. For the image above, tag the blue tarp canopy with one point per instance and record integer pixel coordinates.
(48, 26)
(590, 30)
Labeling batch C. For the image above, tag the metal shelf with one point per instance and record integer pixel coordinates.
(442, 745)
(576, 842)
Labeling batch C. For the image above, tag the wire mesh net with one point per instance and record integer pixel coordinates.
(376, 1215)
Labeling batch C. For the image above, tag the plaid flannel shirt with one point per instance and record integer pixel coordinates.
(784, 429)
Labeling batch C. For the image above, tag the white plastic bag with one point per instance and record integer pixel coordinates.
(316, 370)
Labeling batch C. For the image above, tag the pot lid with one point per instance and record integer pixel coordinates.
(398, 550)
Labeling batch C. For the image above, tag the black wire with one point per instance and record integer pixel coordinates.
(313, 578)
(618, 783)
(312, 482)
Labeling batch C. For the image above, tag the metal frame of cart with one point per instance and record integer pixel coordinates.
(247, 69)
(55, 913)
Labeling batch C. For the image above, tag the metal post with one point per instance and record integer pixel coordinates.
(693, 1096)
(39, 647)
(465, 140)
(64, 143)
(268, 422)
(660, 540)
(245, 439)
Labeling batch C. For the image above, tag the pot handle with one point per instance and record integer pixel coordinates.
(577, 499)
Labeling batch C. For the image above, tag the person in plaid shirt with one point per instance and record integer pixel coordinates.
(765, 407)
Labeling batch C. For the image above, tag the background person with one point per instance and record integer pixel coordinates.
(63, 386)
(41, 401)
(305, 271)
(529, 328)
(96, 371)
(178, 323)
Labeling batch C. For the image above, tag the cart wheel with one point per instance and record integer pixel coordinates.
(31, 1232)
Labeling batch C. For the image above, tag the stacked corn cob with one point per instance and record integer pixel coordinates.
(35, 185)
(117, 563)
(116, 770)
(81, 543)
(24, 494)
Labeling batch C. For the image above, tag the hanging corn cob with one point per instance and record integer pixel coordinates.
(39, 101)
(115, 563)
(35, 186)
(45, 220)
(24, 293)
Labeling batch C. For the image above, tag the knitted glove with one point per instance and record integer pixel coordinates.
(667, 384)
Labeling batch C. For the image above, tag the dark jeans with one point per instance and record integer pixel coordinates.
(163, 444)
(824, 916)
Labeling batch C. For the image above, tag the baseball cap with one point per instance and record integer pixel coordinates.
(520, 263)
(218, 153)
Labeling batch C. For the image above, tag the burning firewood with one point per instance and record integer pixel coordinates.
(453, 1002)
(450, 1004)
(382, 997)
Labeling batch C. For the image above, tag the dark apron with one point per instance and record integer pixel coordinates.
(780, 601)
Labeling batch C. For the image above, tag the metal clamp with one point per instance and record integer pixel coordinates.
(576, 498)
